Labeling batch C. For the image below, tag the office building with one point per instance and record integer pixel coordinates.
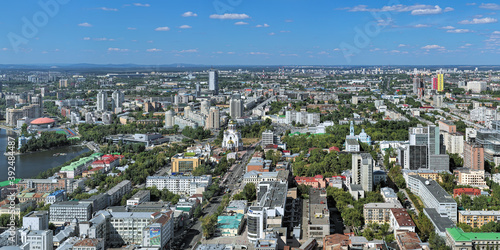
(213, 81)
(213, 118)
(426, 150)
(434, 83)
(36, 220)
(433, 196)
(478, 218)
(180, 184)
(362, 171)
(438, 101)
(236, 109)
(102, 101)
(269, 210)
(483, 114)
(457, 239)
(186, 162)
(269, 138)
(59, 195)
(66, 211)
(469, 177)
(476, 86)
(473, 156)
(37, 239)
(379, 213)
(257, 177)
(98, 202)
(159, 232)
(440, 222)
(117, 192)
(318, 215)
(139, 197)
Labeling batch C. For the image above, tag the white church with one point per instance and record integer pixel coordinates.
(232, 138)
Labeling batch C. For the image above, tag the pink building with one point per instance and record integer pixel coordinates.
(317, 181)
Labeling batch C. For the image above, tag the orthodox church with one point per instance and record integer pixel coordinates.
(362, 137)
(232, 138)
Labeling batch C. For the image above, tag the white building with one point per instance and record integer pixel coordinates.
(37, 239)
(36, 220)
(116, 193)
(453, 142)
(389, 194)
(139, 197)
(476, 86)
(179, 184)
(483, 114)
(213, 81)
(102, 101)
(433, 196)
(66, 211)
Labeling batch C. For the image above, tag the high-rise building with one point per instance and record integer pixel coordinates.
(198, 89)
(438, 101)
(102, 101)
(236, 107)
(213, 81)
(440, 82)
(434, 83)
(473, 156)
(204, 107)
(118, 99)
(213, 119)
(362, 171)
(169, 119)
(268, 138)
(63, 83)
(426, 149)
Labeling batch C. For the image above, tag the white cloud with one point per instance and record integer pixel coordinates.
(263, 25)
(5, 49)
(258, 53)
(421, 26)
(479, 21)
(459, 31)
(395, 51)
(230, 16)
(85, 25)
(131, 28)
(447, 27)
(189, 14)
(465, 45)
(285, 31)
(470, 4)
(272, 34)
(118, 50)
(289, 21)
(240, 23)
(336, 49)
(189, 51)
(231, 53)
(86, 38)
(107, 9)
(142, 4)
(402, 45)
(490, 6)
(162, 29)
(103, 39)
(153, 50)
(185, 27)
(416, 9)
(433, 47)
(496, 32)
(289, 55)
(323, 53)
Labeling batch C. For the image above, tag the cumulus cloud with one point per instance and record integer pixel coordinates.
(459, 31)
(86, 38)
(434, 46)
(189, 51)
(153, 50)
(189, 14)
(402, 45)
(185, 27)
(490, 6)
(240, 23)
(421, 26)
(85, 25)
(131, 28)
(107, 9)
(465, 45)
(263, 25)
(479, 21)
(258, 53)
(142, 4)
(118, 50)
(416, 9)
(230, 16)
(496, 32)
(162, 29)
(272, 34)
(447, 27)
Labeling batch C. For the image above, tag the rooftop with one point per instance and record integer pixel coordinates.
(87, 243)
(459, 235)
(272, 194)
(435, 189)
(382, 205)
(439, 221)
(402, 217)
(479, 213)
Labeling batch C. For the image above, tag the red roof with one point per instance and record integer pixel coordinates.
(467, 191)
(42, 121)
(333, 148)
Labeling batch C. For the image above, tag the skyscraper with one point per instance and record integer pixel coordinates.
(102, 101)
(118, 99)
(440, 82)
(473, 156)
(435, 83)
(169, 119)
(213, 119)
(362, 171)
(204, 107)
(236, 107)
(63, 83)
(213, 81)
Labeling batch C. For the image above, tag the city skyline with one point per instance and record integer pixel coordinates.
(250, 33)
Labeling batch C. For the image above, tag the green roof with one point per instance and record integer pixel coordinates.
(229, 222)
(7, 183)
(459, 235)
(189, 154)
(81, 162)
(185, 209)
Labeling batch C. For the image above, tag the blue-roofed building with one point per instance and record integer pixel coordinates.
(56, 196)
(230, 225)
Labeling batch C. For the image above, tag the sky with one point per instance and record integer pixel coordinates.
(250, 32)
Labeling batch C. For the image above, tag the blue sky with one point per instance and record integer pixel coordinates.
(250, 32)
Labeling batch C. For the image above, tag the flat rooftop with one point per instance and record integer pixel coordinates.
(435, 189)
(439, 221)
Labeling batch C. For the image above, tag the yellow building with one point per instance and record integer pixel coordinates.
(440, 82)
(186, 162)
(379, 213)
(478, 218)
